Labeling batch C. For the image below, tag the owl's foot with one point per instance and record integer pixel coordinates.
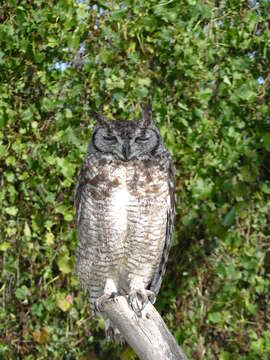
(99, 303)
(138, 299)
(113, 334)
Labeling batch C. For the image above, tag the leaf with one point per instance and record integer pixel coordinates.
(128, 354)
(190, 218)
(215, 317)
(27, 230)
(246, 92)
(68, 114)
(117, 15)
(12, 210)
(144, 81)
(257, 346)
(4, 246)
(141, 91)
(64, 302)
(205, 95)
(266, 142)
(22, 293)
(49, 238)
(47, 104)
(3, 152)
(265, 188)
(41, 336)
(250, 307)
(52, 41)
(67, 168)
(64, 263)
(101, 324)
(201, 188)
(65, 211)
(229, 218)
(82, 11)
(224, 356)
(119, 95)
(1, 58)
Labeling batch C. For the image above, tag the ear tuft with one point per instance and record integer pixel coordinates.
(147, 114)
(101, 119)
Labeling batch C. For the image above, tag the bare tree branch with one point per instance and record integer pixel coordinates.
(147, 335)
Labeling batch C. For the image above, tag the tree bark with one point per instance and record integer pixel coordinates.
(148, 335)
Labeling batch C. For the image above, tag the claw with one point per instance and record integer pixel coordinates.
(118, 337)
(138, 299)
(114, 295)
(99, 303)
(113, 333)
(109, 334)
(151, 296)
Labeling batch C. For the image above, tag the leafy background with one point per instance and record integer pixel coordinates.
(205, 65)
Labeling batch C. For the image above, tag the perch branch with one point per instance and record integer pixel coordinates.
(148, 335)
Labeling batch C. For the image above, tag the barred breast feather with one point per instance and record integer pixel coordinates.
(125, 214)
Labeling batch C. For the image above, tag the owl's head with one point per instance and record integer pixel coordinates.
(127, 140)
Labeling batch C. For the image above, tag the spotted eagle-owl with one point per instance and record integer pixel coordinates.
(125, 204)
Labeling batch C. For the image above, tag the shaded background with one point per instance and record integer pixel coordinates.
(205, 65)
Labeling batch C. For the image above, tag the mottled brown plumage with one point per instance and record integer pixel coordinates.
(125, 206)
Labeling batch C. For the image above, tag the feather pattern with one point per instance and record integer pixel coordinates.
(158, 276)
(125, 206)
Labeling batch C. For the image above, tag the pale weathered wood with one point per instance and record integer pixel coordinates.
(148, 335)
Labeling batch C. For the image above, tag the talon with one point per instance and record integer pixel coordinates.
(144, 300)
(133, 302)
(138, 299)
(109, 333)
(99, 303)
(151, 296)
(112, 332)
(118, 337)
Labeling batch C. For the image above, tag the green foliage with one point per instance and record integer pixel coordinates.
(206, 67)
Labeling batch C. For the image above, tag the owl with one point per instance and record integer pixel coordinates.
(125, 205)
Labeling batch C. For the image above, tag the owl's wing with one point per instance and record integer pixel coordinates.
(84, 177)
(158, 276)
(77, 198)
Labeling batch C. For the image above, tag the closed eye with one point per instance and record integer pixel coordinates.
(111, 139)
(142, 139)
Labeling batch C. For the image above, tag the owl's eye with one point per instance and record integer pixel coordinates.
(111, 139)
(141, 139)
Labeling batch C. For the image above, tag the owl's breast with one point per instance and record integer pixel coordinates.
(123, 222)
(112, 197)
(118, 200)
(148, 181)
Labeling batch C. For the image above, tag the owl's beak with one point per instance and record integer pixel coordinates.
(126, 150)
